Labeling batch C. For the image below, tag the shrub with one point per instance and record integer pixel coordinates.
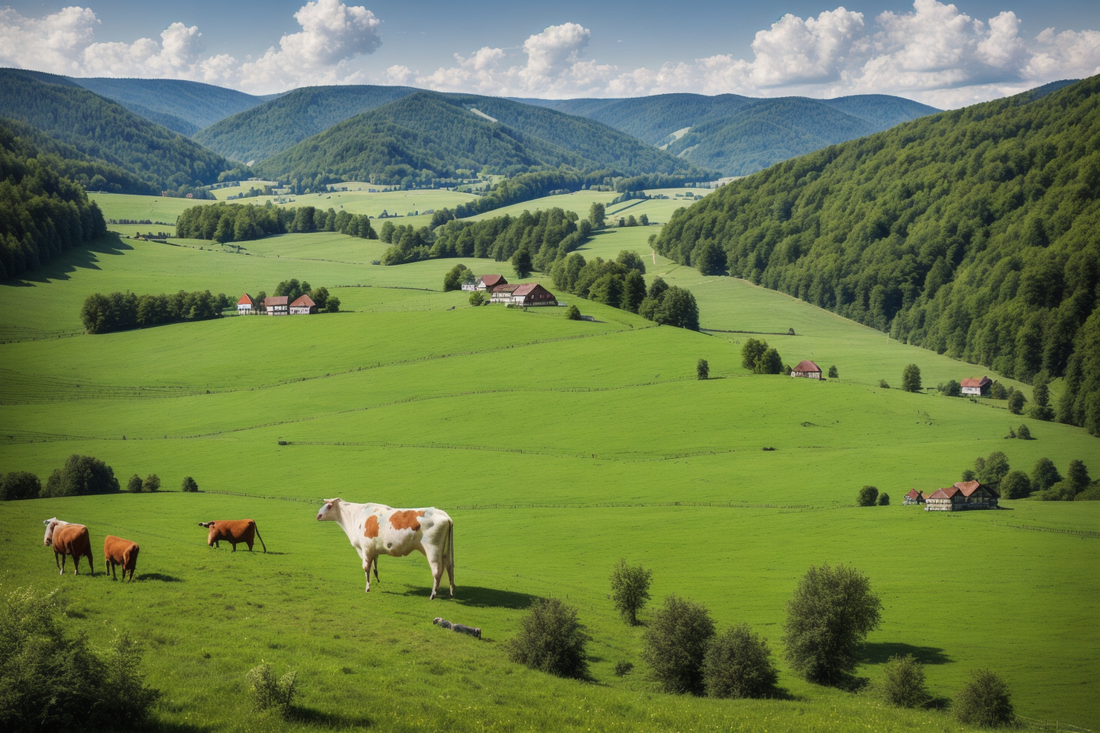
(867, 496)
(902, 684)
(702, 369)
(738, 665)
(884, 499)
(630, 590)
(951, 389)
(1011, 434)
(81, 476)
(19, 485)
(910, 378)
(833, 373)
(1016, 485)
(831, 613)
(1044, 475)
(676, 645)
(622, 669)
(151, 483)
(267, 692)
(476, 297)
(551, 639)
(1016, 402)
(134, 484)
(985, 701)
(882, 383)
(573, 313)
(189, 486)
(1023, 433)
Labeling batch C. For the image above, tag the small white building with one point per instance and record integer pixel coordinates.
(807, 370)
(976, 387)
(245, 306)
(303, 306)
(277, 305)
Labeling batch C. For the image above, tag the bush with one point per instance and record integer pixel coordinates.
(630, 590)
(833, 373)
(702, 369)
(676, 645)
(189, 486)
(151, 483)
(738, 665)
(1016, 402)
(267, 692)
(573, 313)
(476, 297)
(910, 378)
(882, 383)
(622, 669)
(831, 613)
(81, 476)
(867, 496)
(52, 680)
(551, 639)
(985, 701)
(902, 684)
(19, 485)
(951, 389)
(134, 484)
(1023, 433)
(1016, 485)
(884, 499)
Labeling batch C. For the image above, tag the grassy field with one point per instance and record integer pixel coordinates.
(558, 447)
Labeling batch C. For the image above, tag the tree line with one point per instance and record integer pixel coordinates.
(125, 311)
(43, 213)
(970, 233)
(222, 222)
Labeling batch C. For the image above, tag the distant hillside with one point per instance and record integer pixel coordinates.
(182, 106)
(283, 122)
(106, 131)
(740, 135)
(971, 232)
(431, 135)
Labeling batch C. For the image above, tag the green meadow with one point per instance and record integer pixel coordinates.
(558, 447)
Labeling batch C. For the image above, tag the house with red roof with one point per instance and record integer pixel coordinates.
(488, 282)
(526, 295)
(245, 306)
(976, 387)
(303, 306)
(961, 496)
(807, 370)
(277, 305)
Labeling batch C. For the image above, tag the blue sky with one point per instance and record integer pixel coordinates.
(943, 54)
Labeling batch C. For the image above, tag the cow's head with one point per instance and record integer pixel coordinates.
(209, 537)
(330, 511)
(51, 524)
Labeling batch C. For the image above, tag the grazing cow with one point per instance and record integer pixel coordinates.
(68, 539)
(117, 551)
(233, 531)
(376, 529)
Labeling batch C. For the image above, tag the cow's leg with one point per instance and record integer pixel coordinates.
(450, 574)
(234, 545)
(436, 564)
(367, 562)
(76, 564)
(60, 563)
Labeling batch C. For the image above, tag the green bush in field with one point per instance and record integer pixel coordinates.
(189, 486)
(551, 639)
(1016, 402)
(985, 701)
(1015, 485)
(829, 616)
(630, 590)
(738, 665)
(476, 297)
(19, 485)
(868, 495)
(702, 369)
(81, 476)
(676, 645)
(269, 693)
(902, 683)
(910, 378)
(884, 499)
(151, 484)
(833, 373)
(51, 680)
(573, 313)
(134, 484)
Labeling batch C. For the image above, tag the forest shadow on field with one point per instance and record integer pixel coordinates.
(328, 720)
(60, 267)
(476, 597)
(158, 576)
(880, 653)
(161, 726)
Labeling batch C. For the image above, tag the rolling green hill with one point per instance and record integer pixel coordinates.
(435, 136)
(740, 135)
(972, 233)
(105, 130)
(182, 106)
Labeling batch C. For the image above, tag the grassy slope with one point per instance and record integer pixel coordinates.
(519, 423)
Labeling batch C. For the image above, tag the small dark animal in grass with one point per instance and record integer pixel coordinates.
(233, 531)
(68, 539)
(116, 552)
(458, 628)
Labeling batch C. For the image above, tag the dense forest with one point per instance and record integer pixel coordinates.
(225, 223)
(972, 232)
(125, 311)
(740, 135)
(42, 214)
(106, 131)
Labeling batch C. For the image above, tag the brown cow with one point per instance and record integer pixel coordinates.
(68, 539)
(117, 551)
(233, 531)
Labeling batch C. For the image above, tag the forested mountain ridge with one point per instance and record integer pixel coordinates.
(974, 232)
(428, 135)
(105, 130)
(740, 135)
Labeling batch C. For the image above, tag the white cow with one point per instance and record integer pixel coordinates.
(377, 529)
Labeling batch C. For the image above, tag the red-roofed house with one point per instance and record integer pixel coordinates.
(303, 306)
(806, 369)
(488, 282)
(277, 305)
(245, 305)
(977, 387)
(527, 294)
(963, 495)
(914, 497)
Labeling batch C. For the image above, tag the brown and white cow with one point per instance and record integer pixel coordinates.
(68, 539)
(377, 529)
(117, 551)
(233, 531)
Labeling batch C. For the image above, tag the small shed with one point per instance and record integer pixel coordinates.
(245, 305)
(807, 370)
(976, 387)
(277, 305)
(303, 306)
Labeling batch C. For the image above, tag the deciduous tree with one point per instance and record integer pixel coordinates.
(630, 589)
(738, 665)
(675, 645)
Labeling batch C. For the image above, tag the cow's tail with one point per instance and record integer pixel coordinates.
(451, 551)
(261, 539)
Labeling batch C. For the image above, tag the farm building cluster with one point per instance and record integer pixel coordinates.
(276, 305)
(958, 497)
(501, 291)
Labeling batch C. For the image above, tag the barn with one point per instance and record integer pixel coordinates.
(976, 387)
(807, 370)
(277, 305)
(527, 294)
(303, 306)
(961, 496)
(488, 282)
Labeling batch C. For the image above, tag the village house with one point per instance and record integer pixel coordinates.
(527, 295)
(915, 497)
(488, 282)
(277, 305)
(303, 306)
(976, 387)
(806, 369)
(245, 305)
(963, 495)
